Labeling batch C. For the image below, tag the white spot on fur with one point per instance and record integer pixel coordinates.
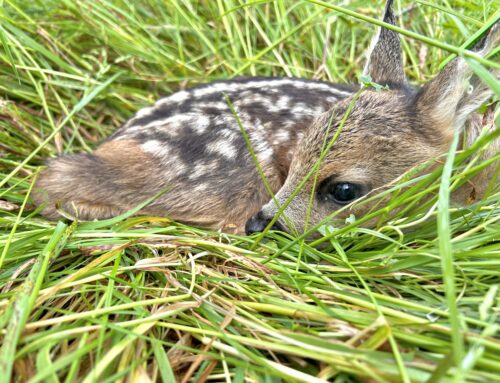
(201, 124)
(302, 109)
(197, 121)
(144, 112)
(179, 96)
(201, 187)
(202, 108)
(265, 155)
(283, 103)
(229, 87)
(281, 136)
(223, 147)
(155, 147)
(319, 110)
(172, 122)
(197, 172)
(258, 140)
(204, 169)
(228, 133)
(162, 151)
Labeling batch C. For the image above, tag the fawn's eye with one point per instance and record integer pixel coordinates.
(341, 193)
(344, 192)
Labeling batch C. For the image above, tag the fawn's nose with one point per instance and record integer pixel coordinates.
(258, 223)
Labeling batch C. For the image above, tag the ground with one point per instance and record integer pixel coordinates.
(414, 299)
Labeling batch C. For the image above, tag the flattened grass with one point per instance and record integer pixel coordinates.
(415, 298)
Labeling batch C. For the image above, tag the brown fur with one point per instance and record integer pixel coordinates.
(367, 155)
(117, 177)
(478, 185)
(191, 148)
(385, 134)
(99, 185)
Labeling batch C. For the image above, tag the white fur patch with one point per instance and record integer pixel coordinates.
(221, 125)
(204, 169)
(223, 147)
(228, 87)
(200, 124)
(281, 136)
(201, 187)
(162, 151)
(144, 112)
(156, 148)
(197, 121)
(178, 96)
(283, 103)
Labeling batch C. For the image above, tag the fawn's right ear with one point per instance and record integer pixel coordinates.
(385, 65)
(448, 100)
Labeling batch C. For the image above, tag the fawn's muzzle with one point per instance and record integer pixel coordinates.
(259, 222)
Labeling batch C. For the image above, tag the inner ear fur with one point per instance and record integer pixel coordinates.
(450, 98)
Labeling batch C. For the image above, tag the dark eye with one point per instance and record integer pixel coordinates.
(345, 192)
(341, 193)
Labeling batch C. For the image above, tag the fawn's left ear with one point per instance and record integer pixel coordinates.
(455, 93)
(385, 65)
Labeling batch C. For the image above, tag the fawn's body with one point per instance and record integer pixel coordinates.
(191, 145)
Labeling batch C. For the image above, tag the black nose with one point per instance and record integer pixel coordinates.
(258, 223)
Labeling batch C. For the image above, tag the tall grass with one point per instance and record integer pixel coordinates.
(414, 299)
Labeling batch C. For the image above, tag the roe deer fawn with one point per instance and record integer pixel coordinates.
(191, 144)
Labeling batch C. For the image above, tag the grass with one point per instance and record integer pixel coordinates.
(413, 299)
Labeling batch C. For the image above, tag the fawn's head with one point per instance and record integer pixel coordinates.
(370, 139)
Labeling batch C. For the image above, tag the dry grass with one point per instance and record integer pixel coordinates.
(142, 298)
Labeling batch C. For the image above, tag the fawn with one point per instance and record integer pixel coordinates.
(190, 143)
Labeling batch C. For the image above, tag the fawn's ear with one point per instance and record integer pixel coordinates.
(455, 93)
(385, 65)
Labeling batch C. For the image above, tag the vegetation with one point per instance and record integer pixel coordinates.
(137, 299)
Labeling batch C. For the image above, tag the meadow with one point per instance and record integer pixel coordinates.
(415, 298)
